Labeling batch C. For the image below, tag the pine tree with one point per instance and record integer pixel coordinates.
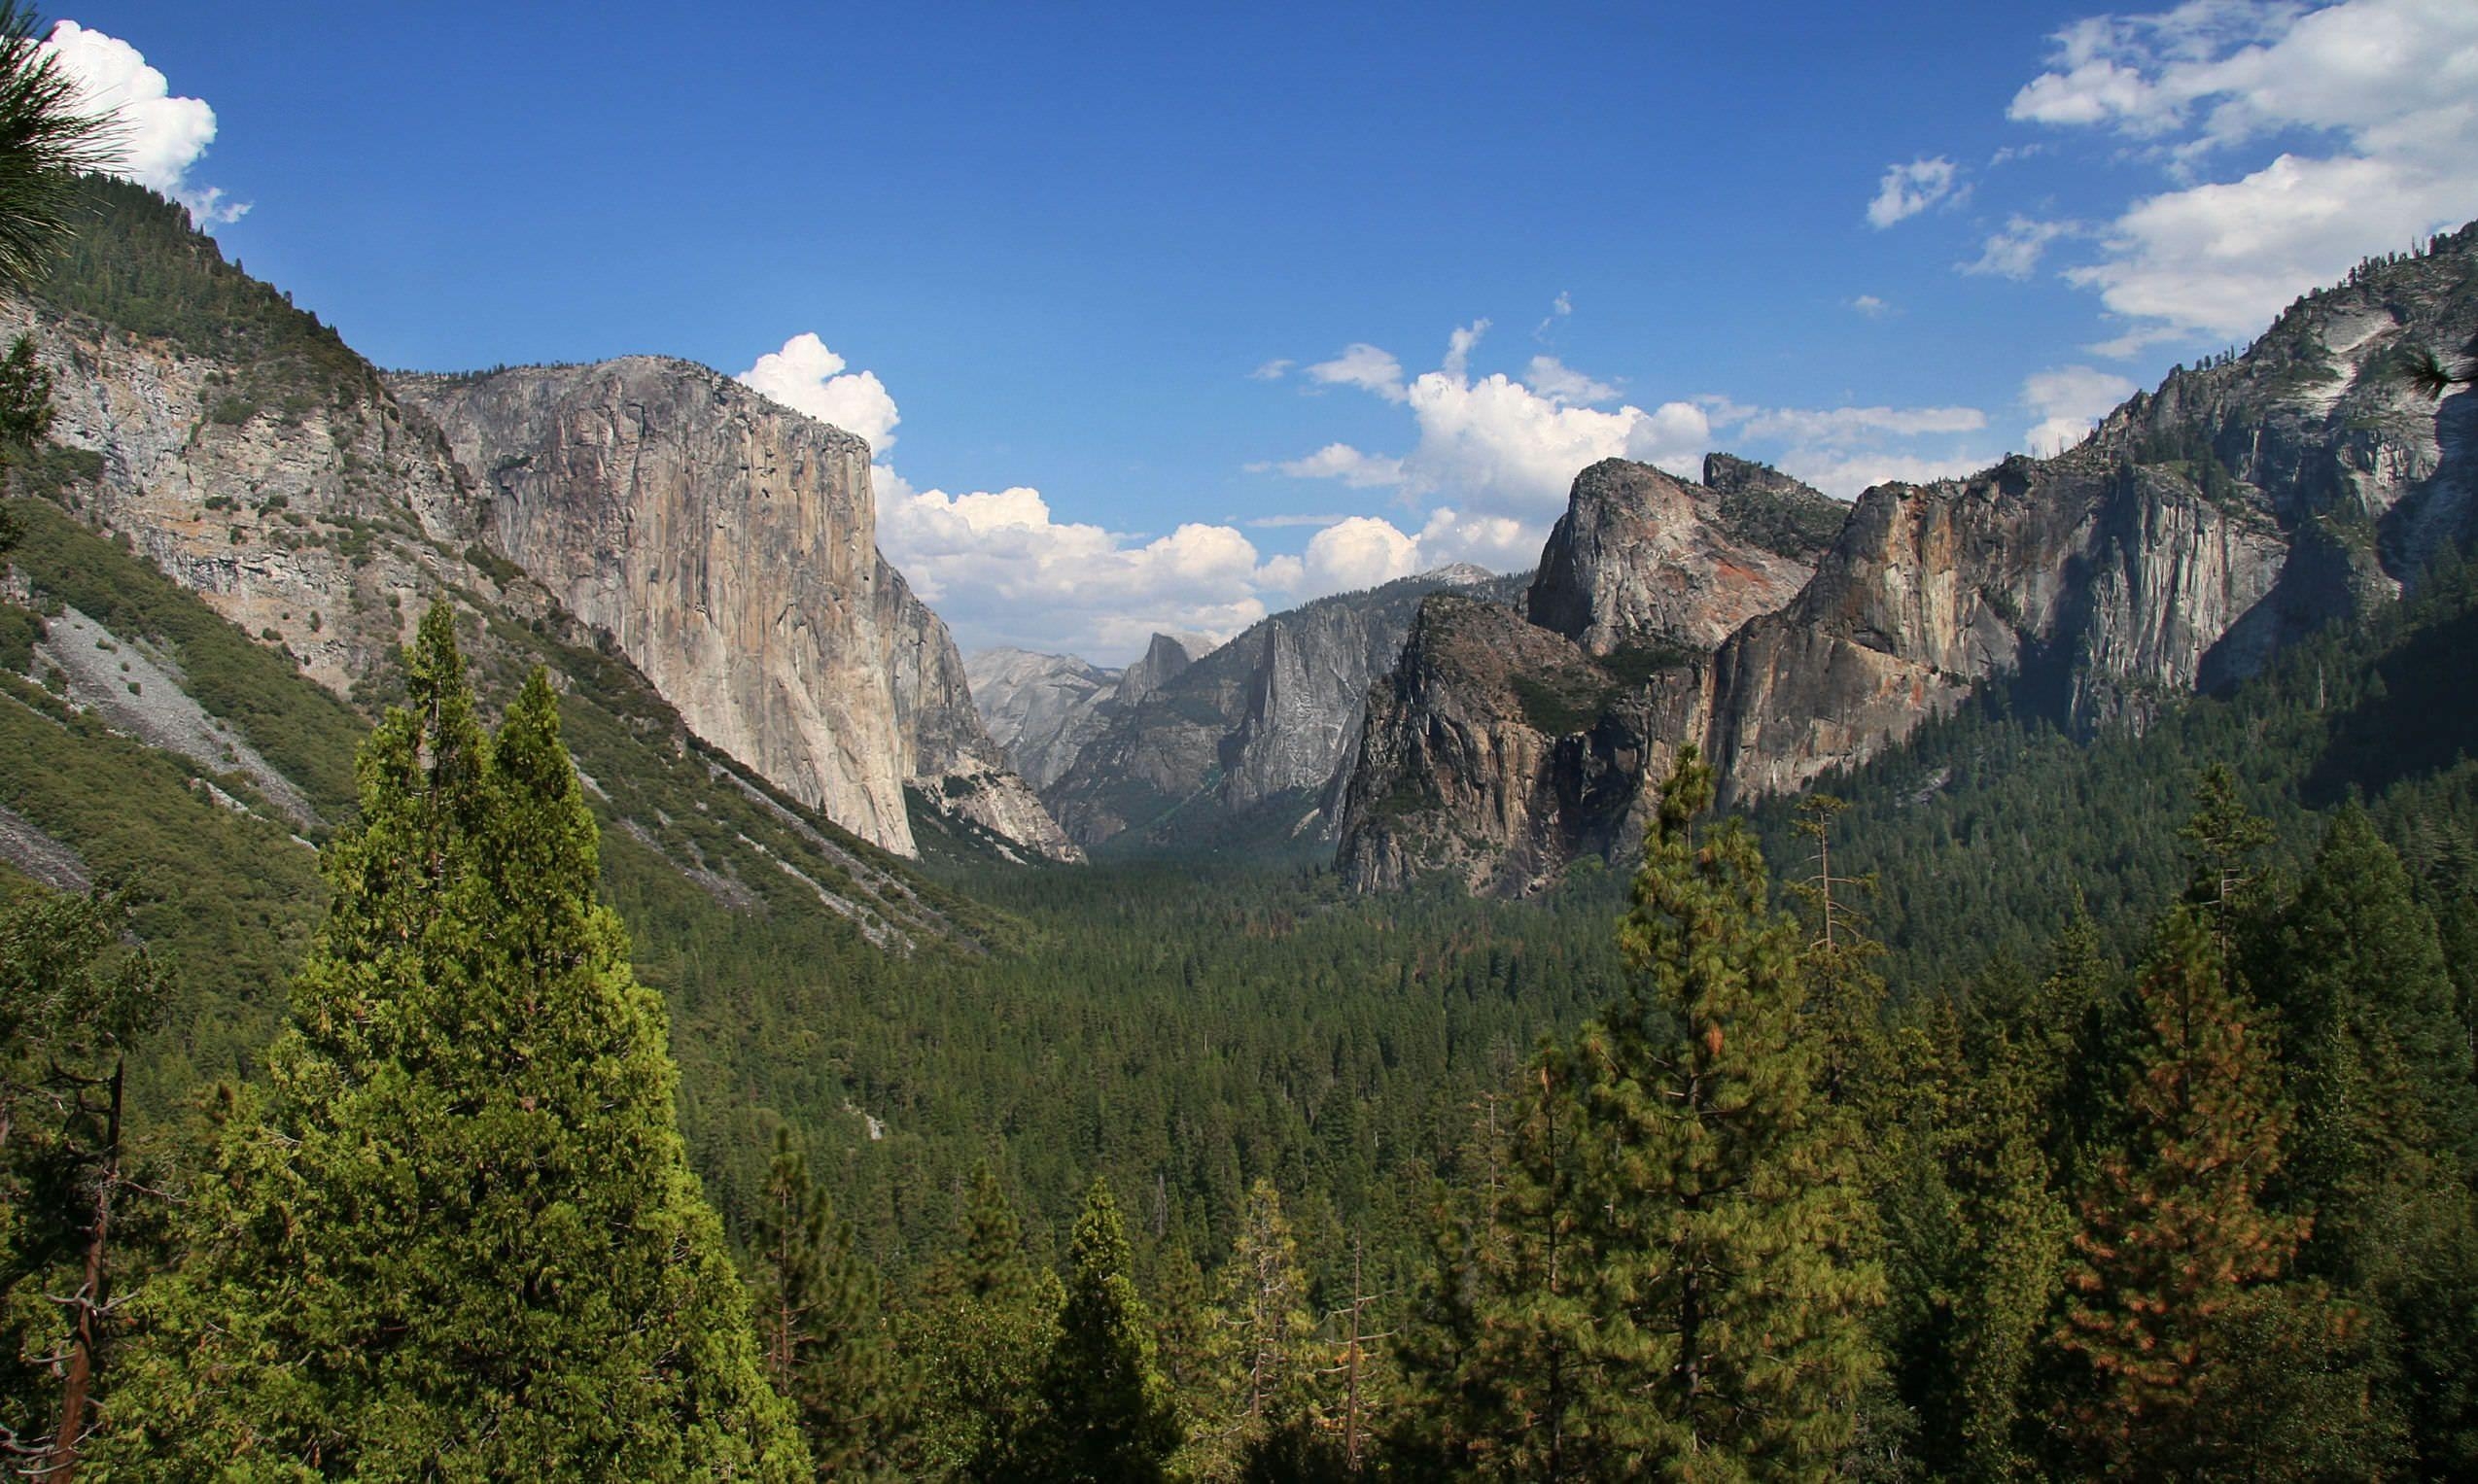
(456, 1235)
(2173, 1231)
(821, 1323)
(72, 1002)
(1107, 1414)
(1263, 1343)
(2387, 1119)
(1497, 1369)
(983, 1331)
(1732, 1297)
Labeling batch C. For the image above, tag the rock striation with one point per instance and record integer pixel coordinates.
(727, 545)
(2202, 525)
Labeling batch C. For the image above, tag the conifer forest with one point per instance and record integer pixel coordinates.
(435, 1046)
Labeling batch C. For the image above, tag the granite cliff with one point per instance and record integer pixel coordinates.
(727, 545)
(2202, 525)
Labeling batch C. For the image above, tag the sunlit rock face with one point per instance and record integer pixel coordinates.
(2201, 527)
(727, 545)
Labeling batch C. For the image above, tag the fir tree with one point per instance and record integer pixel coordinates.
(456, 1234)
(821, 1323)
(1732, 1296)
(1107, 1414)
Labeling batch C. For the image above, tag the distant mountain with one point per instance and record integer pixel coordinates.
(2200, 529)
(1042, 708)
(1188, 744)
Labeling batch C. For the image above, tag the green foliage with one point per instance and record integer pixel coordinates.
(1560, 705)
(72, 1002)
(457, 1231)
(983, 1327)
(25, 396)
(1676, 1274)
(47, 137)
(821, 1323)
(1106, 1415)
(137, 265)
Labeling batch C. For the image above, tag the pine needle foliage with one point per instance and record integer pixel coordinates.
(1107, 1416)
(48, 136)
(821, 1323)
(456, 1236)
(1733, 1225)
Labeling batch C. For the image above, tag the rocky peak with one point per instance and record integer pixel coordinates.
(2243, 503)
(1164, 660)
(1642, 558)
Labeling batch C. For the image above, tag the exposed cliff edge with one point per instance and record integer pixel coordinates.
(728, 547)
(2202, 525)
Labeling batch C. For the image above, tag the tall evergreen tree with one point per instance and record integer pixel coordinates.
(821, 1323)
(72, 1001)
(456, 1234)
(1264, 1345)
(1497, 1369)
(2387, 1119)
(1107, 1416)
(2176, 1288)
(1732, 1222)
(982, 1333)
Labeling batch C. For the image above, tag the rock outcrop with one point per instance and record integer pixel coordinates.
(297, 518)
(1255, 734)
(2201, 527)
(1642, 558)
(727, 545)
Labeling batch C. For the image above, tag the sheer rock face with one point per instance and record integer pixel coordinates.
(1499, 750)
(2202, 527)
(1042, 708)
(295, 525)
(1266, 722)
(1641, 557)
(728, 546)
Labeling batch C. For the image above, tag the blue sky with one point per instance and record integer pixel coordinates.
(1166, 316)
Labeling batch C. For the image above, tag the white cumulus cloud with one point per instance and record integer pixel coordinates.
(1497, 445)
(2069, 402)
(1001, 571)
(2376, 102)
(156, 137)
(1909, 190)
(1551, 378)
(1362, 551)
(1364, 366)
(1340, 461)
(807, 377)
